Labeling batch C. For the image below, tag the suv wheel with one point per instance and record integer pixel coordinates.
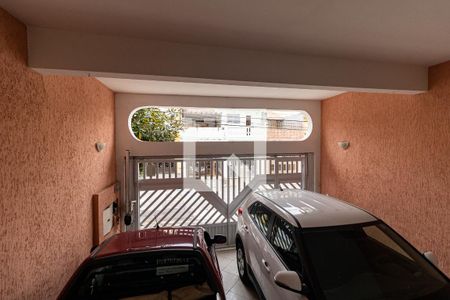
(241, 263)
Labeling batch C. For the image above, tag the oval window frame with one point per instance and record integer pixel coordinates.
(306, 137)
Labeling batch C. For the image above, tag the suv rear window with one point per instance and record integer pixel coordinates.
(283, 241)
(261, 216)
(155, 275)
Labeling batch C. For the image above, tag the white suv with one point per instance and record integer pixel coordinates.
(296, 244)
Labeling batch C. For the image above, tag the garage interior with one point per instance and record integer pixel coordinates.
(66, 86)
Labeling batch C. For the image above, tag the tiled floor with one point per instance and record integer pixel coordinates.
(234, 288)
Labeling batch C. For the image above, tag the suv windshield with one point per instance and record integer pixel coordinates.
(370, 262)
(149, 275)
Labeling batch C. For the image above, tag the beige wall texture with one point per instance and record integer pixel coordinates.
(49, 169)
(398, 162)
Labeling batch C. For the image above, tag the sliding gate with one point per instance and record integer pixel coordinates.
(207, 191)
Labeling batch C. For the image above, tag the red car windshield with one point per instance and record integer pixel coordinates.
(148, 275)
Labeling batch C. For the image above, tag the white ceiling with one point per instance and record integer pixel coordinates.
(406, 31)
(208, 89)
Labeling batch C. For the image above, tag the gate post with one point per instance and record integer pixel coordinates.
(135, 191)
(276, 177)
(309, 172)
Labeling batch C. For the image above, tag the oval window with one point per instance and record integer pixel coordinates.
(176, 124)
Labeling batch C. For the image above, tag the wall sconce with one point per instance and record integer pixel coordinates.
(100, 146)
(344, 144)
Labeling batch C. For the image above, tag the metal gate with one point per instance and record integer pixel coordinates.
(207, 191)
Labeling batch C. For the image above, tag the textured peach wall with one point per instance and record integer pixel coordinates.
(398, 162)
(49, 169)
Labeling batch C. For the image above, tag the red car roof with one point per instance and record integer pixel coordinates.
(152, 239)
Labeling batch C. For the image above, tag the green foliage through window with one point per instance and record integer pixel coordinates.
(155, 125)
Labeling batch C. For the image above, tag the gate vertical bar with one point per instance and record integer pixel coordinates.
(124, 201)
(227, 165)
(136, 192)
(303, 171)
(276, 174)
(310, 172)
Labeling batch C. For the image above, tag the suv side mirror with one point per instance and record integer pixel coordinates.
(288, 280)
(431, 257)
(127, 219)
(219, 239)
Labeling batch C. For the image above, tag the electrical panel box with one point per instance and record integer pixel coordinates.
(107, 219)
(106, 214)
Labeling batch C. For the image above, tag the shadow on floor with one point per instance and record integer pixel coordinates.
(234, 288)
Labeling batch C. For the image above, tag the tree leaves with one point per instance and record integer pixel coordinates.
(155, 125)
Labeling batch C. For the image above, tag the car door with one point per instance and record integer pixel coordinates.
(258, 228)
(281, 255)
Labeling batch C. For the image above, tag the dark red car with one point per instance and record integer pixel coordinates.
(165, 263)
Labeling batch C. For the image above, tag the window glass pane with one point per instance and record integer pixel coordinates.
(370, 262)
(251, 209)
(178, 124)
(378, 235)
(147, 275)
(283, 241)
(261, 217)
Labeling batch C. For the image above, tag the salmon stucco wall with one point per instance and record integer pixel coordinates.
(49, 169)
(398, 162)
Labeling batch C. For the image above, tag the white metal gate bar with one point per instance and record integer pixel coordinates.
(217, 187)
